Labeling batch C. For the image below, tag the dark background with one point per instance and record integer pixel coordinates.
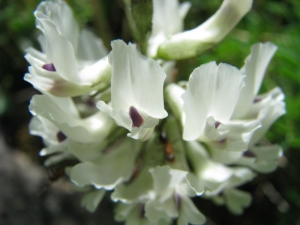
(27, 196)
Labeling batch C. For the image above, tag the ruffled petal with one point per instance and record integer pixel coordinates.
(213, 91)
(254, 69)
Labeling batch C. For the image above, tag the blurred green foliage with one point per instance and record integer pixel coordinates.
(273, 20)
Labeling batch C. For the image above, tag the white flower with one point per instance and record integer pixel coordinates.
(73, 62)
(92, 199)
(209, 102)
(193, 42)
(136, 91)
(234, 199)
(63, 113)
(172, 199)
(108, 169)
(55, 141)
(167, 20)
(254, 69)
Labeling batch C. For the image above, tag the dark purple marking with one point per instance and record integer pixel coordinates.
(217, 124)
(256, 100)
(142, 211)
(249, 154)
(137, 119)
(50, 67)
(61, 136)
(177, 200)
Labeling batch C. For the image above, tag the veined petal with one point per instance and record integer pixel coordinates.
(60, 52)
(136, 91)
(62, 16)
(212, 91)
(141, 78)
(254, 69)
(191, 43)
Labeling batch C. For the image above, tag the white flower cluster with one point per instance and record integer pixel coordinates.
(153, 143)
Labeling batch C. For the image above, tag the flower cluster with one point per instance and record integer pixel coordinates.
(151, 142)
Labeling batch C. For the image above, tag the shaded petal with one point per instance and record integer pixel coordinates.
(110, 170)
(63, 113)
(265, 160)
(236, 200)
(268, 115)
(92, 199)
(189, 214)
(90, 47)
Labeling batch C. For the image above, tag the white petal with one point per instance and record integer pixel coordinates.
(237, 200)
(165, 179)
(62, 16)
(205, 168)
(191, 43)
(138, 189)
(198, 99)
(267, 116)
(63, 113)
(112, 169)
(189, 214)
(172, 15)
(51, 82)
(265, 158)
(136, 80)
(90, 47)
(213, 91)
(173, 93)
(60, 52)
(92, 199)
(254, 69)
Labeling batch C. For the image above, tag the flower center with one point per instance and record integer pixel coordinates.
(50, 67)
(137, 119)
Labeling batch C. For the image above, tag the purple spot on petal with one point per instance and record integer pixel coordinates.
(256, 100)
(142, 211)
(137, 119)
(249, 154)
(61, 136)
(50, 67)
(217, 124)
(177, 200)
